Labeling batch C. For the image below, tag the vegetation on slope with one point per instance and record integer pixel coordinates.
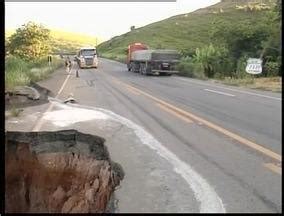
(70, 42)
(19, 72)
(27, 48)
(64, 41)
(184, 32)
(216, 41)
(26, 56)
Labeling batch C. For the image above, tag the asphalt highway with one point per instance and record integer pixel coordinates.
(230, 136)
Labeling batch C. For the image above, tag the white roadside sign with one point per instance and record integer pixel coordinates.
(254, 66)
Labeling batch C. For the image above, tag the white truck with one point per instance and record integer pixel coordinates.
(87, 57)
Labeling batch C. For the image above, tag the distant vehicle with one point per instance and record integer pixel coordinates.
(87, 57)
(145, 61)
(131, 48)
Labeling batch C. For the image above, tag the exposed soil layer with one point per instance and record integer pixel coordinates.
(21, 99)
(58, 172)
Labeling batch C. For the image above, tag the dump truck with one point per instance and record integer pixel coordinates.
(131, 48)
(87, 57)
(160, 61)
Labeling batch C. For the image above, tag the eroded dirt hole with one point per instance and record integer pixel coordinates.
(63, 171)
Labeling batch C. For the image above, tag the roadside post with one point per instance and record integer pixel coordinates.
(77, 73)
(49, 59)
(254, 66)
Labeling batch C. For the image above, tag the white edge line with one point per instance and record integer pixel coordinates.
(64, 83)
(209, 200)
(244, 92)
(218, 92)
(40, 120)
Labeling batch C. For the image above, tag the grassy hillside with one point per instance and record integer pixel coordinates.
(184, 32)
(67, 41)
(70, 41)
(75, 37)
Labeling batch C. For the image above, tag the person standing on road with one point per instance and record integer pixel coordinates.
(68, 64)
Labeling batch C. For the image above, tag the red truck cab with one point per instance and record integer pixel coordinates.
(131, 48)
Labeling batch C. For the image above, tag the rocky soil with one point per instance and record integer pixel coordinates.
(58, 172)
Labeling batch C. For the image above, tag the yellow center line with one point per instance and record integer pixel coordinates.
(211, 125)
(174, 113)
(273, 167)
(133, 91)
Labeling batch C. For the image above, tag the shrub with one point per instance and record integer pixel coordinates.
(241, 68)
(211, 58)
(187, 67)
(271, 68)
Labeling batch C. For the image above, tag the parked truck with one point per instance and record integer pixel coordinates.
(146, 61)
(87, 57)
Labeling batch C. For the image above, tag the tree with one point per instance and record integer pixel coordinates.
(240, 38)
(132, 28)
(272, 51)
(29, 42)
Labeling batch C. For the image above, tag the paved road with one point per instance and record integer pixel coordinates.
(229, 136)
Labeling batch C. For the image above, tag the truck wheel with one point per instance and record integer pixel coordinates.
(148, 71)
(140, 70)
(143, 69)
(132, 67)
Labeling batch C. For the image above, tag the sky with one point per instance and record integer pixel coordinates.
(102, 19)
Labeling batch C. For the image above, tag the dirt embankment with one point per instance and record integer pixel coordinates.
(58, 172)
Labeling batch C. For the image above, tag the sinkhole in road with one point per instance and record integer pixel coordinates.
(58, 172)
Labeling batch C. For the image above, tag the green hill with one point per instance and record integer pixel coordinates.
(70, 41)
(185, 32)
(64, 41)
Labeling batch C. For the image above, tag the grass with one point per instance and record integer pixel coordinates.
(20, 73)
(273, 84)
(15, 112)
(184, 32)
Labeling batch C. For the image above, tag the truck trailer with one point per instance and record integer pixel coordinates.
(131, 48)
(157, 62)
